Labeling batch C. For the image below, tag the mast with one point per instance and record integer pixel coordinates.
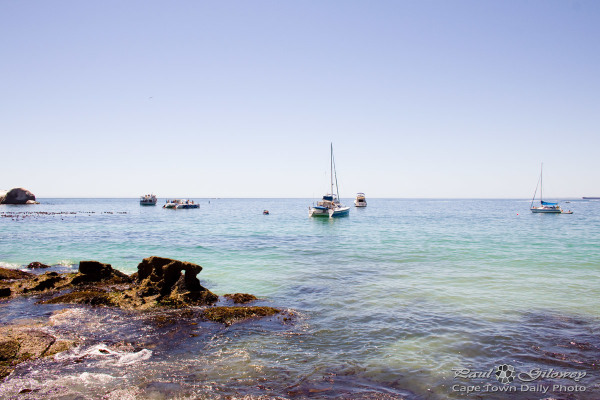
(337, 188)
(331, 168)
(541, 183)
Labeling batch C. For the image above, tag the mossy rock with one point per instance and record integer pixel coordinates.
(20, 343)
(8, 349)
(89, 297)
(10, 274)
(230, 315)
(241, 298)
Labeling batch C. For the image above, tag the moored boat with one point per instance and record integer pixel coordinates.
(330, 206)
(180, 204)
(545, 207)
(148, 200)
(361, 200)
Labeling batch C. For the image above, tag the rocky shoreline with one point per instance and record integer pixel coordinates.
(159, 283)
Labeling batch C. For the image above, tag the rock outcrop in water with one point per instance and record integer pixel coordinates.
(18, 196)
(37, 265)
(159, 282)
(163, 278)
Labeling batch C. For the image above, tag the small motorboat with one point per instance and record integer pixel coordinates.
(148, 200)
(361, 200)
(265, 212)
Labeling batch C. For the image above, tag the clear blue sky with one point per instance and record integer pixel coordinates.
(242, 98)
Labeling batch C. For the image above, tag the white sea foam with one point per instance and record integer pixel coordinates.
(105, 354)
(132, 358)
(67, 263)
(92, 378)
(10, 265)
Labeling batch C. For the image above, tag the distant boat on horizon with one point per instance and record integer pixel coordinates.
(148, 200)
(177, 204)
(361, 200)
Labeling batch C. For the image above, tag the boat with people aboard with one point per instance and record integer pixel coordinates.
(361, 200)
(148, 200)
(181, 204)
(545, 207)
(330, 206)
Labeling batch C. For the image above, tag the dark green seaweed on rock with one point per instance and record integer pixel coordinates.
(229, 315)
(240, 298)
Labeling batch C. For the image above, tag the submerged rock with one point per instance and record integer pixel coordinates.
(18, 196)
(241, 298)
(230, 315)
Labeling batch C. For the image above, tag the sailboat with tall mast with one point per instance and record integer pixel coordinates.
(330, 206)
(545, 206)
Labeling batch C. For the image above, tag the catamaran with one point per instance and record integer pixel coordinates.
(330, 206)
(545, 206)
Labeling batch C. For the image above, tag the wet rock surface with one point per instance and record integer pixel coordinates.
(19, 343)
(97, 272)
(11, 274)
(170, 282)
(230, 315)
(37, 265)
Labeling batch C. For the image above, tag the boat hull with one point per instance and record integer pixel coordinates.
(541, 210)
(186, 206)
(318, 212)
(339, 212)
(360, 203)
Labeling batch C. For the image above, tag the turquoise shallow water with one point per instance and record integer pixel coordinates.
(390, 301)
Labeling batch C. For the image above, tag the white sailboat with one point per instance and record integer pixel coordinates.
(330, 206)
(545, 206)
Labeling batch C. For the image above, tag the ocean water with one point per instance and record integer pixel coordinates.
(407, 298)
